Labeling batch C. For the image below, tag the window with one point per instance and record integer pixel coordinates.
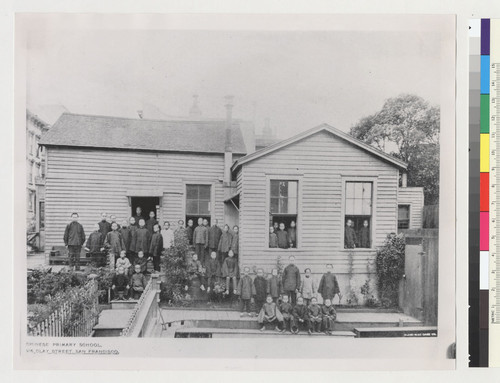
(41, 216)
(198, 202)
(283, 208)
(358, 209)
(403, 216)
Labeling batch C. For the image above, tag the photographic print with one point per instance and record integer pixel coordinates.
(253, 181)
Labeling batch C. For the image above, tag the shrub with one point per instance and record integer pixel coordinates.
(390, 264)
(176, 270)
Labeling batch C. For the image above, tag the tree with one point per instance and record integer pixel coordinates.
(407, 127)
(176, 269)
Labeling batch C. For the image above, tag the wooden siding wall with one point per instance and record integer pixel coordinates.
(413, 196)
(320, 161)
(94, 181)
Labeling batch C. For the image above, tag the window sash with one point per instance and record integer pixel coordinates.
(358, 198)
(283, 197)
(198, 199)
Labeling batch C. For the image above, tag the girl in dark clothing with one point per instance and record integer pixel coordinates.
(156, 247)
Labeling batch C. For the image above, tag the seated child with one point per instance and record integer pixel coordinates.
(270, 313)
(246, 290)
(273, 239)
(329, 316)
(274, 286)
(120, 285)
(212, 271)
(300, 317)
(315, 317)
(123, 262)
(142, 262)
(286, 310)
(260, 284)
(138, 282)
(230, 271)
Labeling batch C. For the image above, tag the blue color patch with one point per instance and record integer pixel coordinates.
(485, 74)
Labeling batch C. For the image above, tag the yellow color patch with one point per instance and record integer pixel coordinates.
(484, 164)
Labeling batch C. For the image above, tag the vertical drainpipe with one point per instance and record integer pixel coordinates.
(228, 149)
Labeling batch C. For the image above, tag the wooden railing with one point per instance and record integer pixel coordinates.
(139, 307)
(62, 324)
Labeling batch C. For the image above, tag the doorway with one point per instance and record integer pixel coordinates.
(147, 204)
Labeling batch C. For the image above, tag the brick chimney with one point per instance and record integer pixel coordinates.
(228, 149)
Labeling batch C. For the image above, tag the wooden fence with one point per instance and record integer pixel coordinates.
(132, 322)
(62, 322)
(430, 217)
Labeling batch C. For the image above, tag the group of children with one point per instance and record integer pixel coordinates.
(281, 238)
(361, 239)
(126, 286)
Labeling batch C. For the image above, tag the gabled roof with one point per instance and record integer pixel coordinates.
(77, 130)
(324, 127)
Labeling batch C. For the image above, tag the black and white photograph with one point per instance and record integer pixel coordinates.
(267, 182)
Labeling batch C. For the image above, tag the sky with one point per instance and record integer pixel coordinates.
(297, 79)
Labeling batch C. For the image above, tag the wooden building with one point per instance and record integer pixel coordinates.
(189, 169)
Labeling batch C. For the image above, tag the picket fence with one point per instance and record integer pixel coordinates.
(56, 325)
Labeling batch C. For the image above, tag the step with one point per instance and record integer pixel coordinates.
(404, 332)
(200, 332)
(128, 304)
(112, 322)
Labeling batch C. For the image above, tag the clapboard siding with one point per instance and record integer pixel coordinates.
(94, 181)
(413, 196)
(321, 162)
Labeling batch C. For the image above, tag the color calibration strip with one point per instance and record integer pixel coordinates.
(478, 338)
(491, 114)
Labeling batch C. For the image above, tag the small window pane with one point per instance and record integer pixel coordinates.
(275, 189)
(204, 207)
(283, 188)
(274, 205)
(192, 207)
(358, 190)
(358, 207)
(192, 192)
(403, 212)
(205, 192)
(367, 190)
(292, 206)
(292, 189)
(349, 189)
(349, 206)
(366, 207)
(283, 209)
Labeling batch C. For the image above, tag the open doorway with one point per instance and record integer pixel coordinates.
(147, 204)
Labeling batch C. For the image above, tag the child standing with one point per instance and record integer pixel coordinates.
(246, 289)
(224, 243)
(151, 222)
(314, 311)
(301, 317)
(138, 282)
(230, 271)
(94, 242)
(190, 232)
(328, 286)
(212, 271)
(142, 262)
(274, 287)
(292, 235)
(168, 235)
(142, 239)
(114, 243)
(282, 237)
(123, 262)
(329, 316)
(308, 289)
(156, 247)
(131, 254)
(286, 310)
(349, 236)
(364, 236)
(269, 313)
(214, 234)
(291, 280)
(200, 240)
(260, 285)
(273, 239)
(235, 243)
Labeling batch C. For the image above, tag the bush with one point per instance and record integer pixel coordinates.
(390, 264)
(176, 269)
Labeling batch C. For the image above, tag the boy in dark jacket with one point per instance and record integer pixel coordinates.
(273, 239)
(156, 247)
(282, 237)
(230, 271)
(104, 227)
(142, 238)
(269, 313)
(138, 282)
(225, 241)
(260, 284)
(120, 285)
(315, 315)
(274, 286)
(189, 232)
(142, 262)
(329, 316)
(214, 234)
(114, 243)
(328, 286)
(235, 243)
(151, 222)
(349, 236)
(131, 254)
(138, 216)
(246, 290)
(292, 235)
(74, 238)
(212, 272)
(286, 310)
(291, 280)
(94, 242)
(364, 236)
(200, 240)
(301, 317)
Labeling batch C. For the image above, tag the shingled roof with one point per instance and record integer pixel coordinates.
(76, 130)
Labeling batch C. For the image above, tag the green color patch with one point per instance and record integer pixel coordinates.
(485, 113)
